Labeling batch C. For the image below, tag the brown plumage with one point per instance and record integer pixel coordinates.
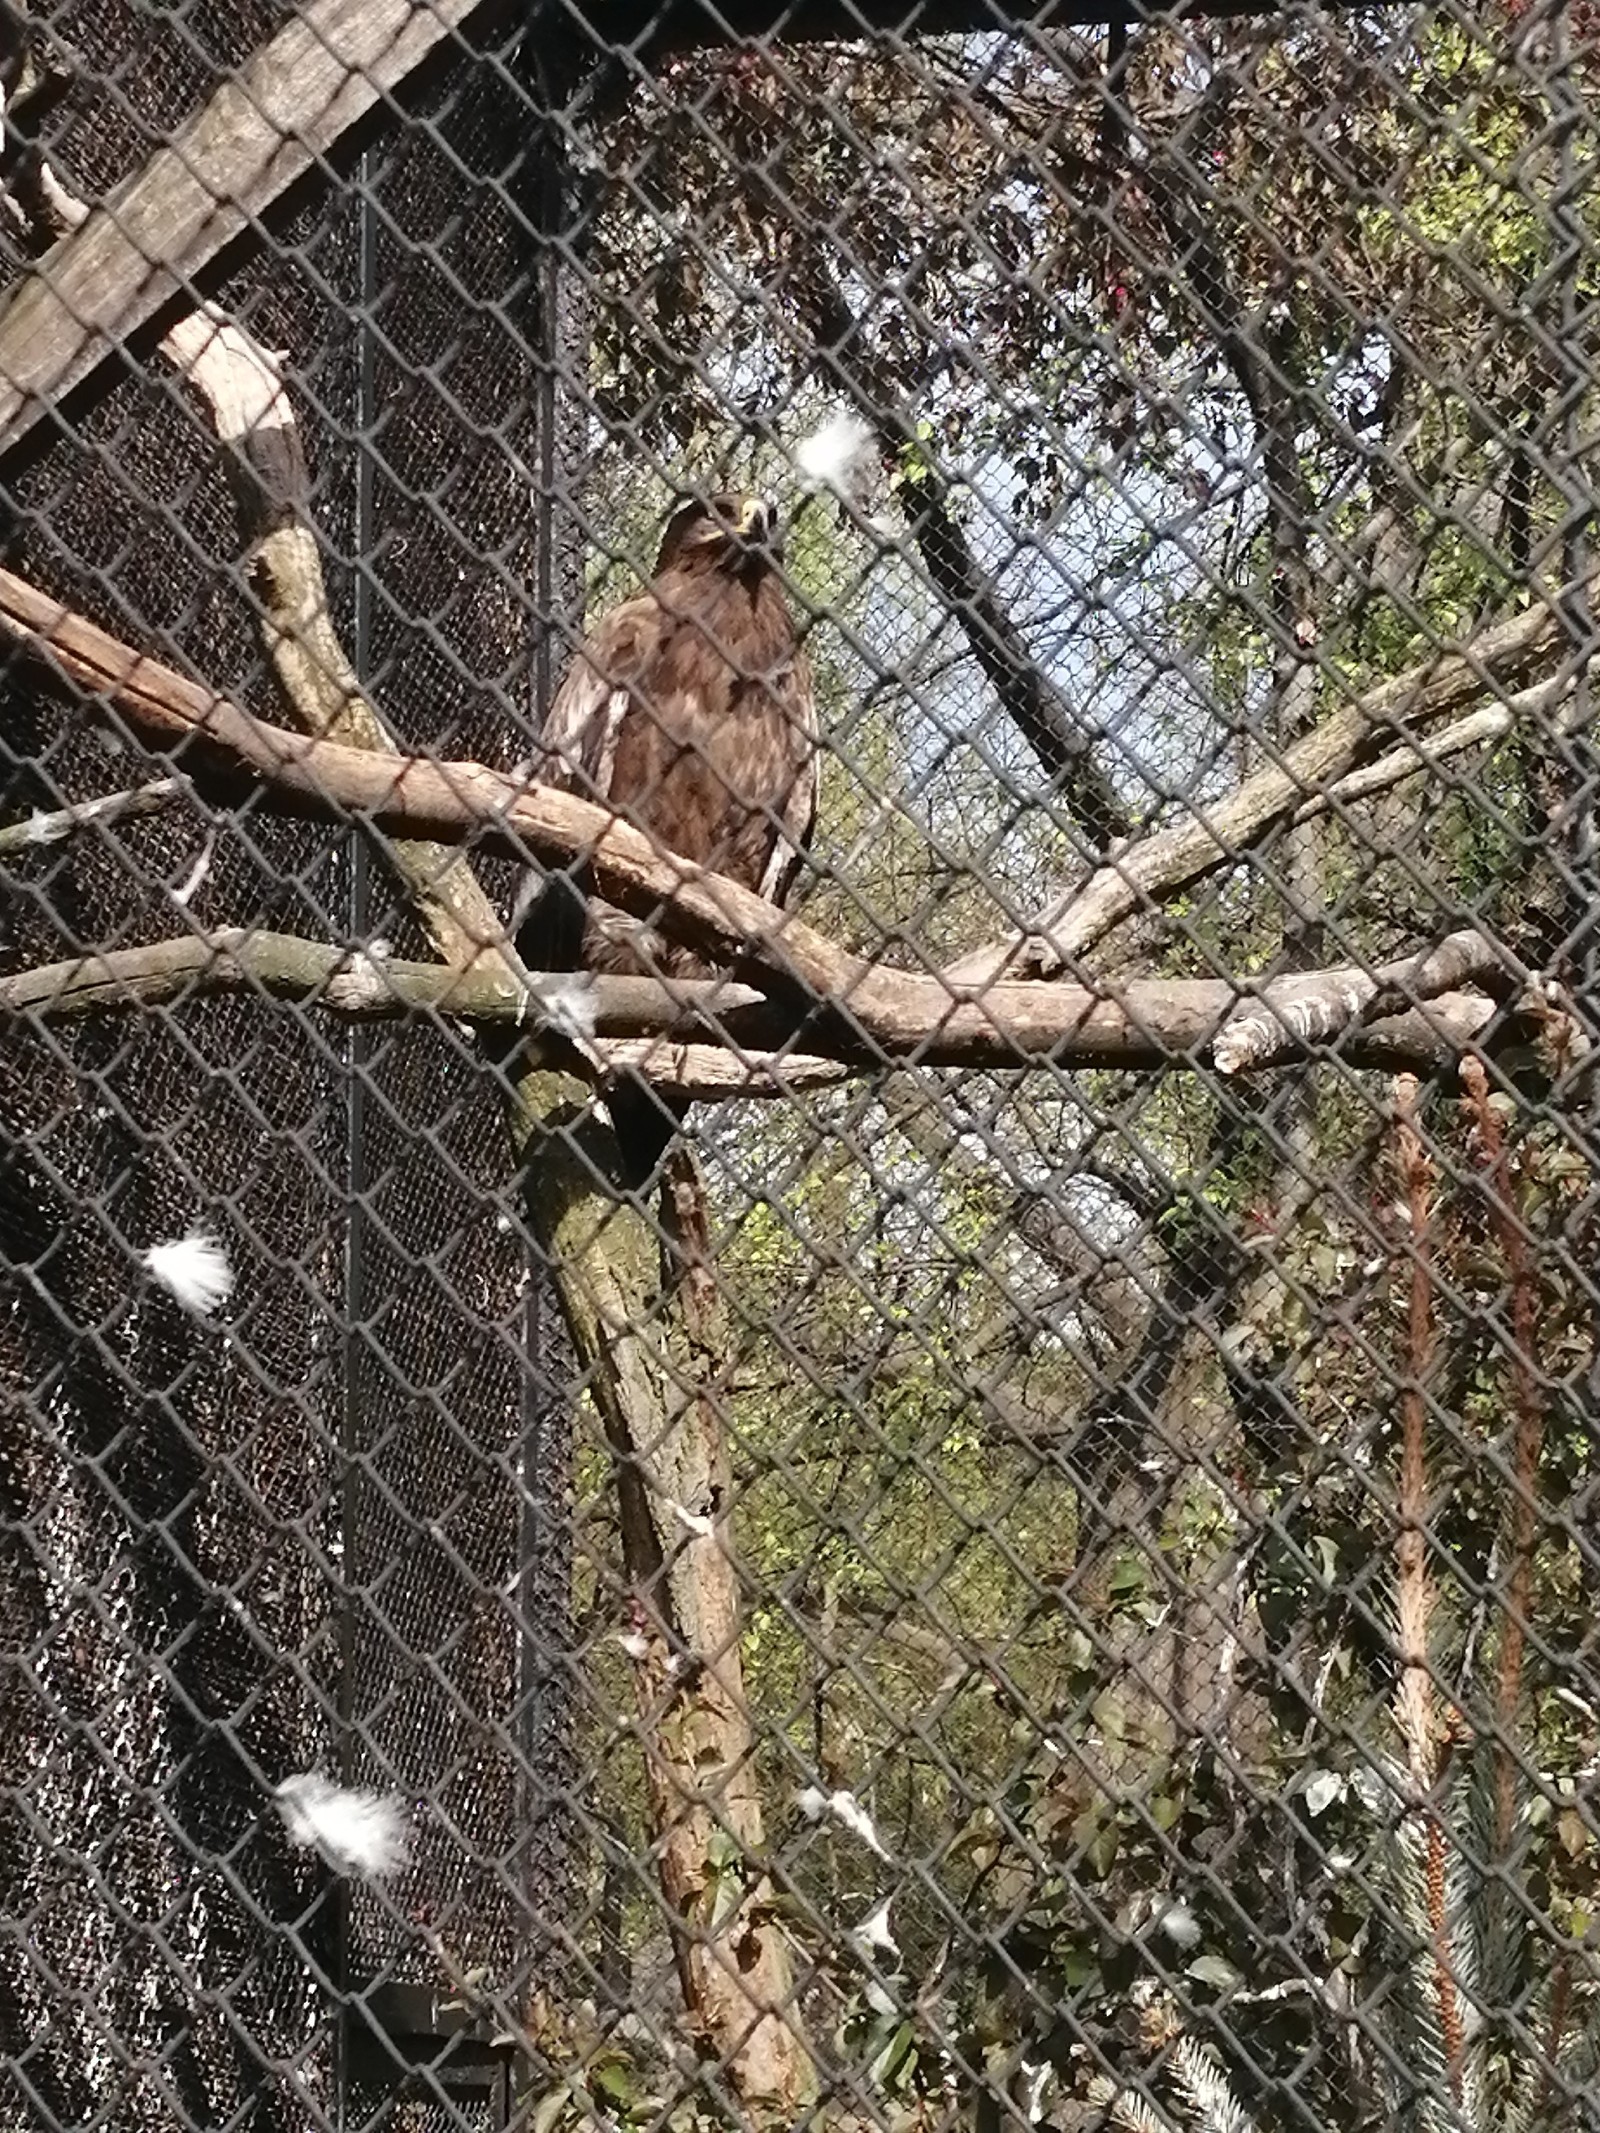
(690, 712)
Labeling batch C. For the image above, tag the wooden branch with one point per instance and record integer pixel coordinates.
(1415, 1595)
(50, 828)
(710, 1074)
(733, 1960)
(1522, 1511)
(254, 422)
(1300, 782)
(265, 125)
(647, 1022)
(1311, 1007)
(876, 1014)
(359, 985)
(1416, 1704)
(1065, 745)
(1552, 704)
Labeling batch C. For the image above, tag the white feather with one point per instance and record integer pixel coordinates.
(692, 1522)
(194, 882)
(571, 1007)
(194, 1269)
(841, 456)
(359, 1833)
(874, 1933)
(1180, 1926)
(845, 1809)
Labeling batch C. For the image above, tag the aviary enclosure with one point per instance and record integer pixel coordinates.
(1044, 1570)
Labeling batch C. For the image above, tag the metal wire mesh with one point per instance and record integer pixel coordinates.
(1041, 1569)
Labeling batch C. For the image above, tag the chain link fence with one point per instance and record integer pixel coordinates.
(837, 1366)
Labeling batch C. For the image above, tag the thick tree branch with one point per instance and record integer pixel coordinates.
(263, 126)
(1149, 1023)
(254, 422)
(50, 827)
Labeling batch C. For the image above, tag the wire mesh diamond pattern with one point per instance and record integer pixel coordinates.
(797, 1007)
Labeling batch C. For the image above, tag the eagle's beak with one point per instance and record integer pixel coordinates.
(756, 519)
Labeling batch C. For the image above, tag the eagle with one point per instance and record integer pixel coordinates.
(688, 712)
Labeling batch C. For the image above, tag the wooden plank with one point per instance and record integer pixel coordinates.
(257, 134)
(651, 27)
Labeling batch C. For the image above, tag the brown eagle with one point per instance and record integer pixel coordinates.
(689, 712)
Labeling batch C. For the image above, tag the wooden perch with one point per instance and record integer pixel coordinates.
(261, 129)
(884, 1013)
(1150, 1022)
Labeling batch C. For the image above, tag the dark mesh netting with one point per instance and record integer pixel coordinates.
(219, 1542)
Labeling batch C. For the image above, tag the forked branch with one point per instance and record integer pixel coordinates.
(1394, 724)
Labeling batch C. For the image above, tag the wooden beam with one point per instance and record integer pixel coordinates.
(260, 131)
(652, 27)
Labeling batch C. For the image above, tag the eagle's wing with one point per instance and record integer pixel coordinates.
(577, 749)
(577, 753)
(795, 813)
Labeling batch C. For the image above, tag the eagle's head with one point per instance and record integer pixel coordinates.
(738, 534)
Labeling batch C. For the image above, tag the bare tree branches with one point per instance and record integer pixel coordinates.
(652, 1024)
(881, 1014)
(1504, 661)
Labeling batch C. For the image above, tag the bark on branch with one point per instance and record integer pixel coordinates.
(1312, 1006)
(1149, 1023)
